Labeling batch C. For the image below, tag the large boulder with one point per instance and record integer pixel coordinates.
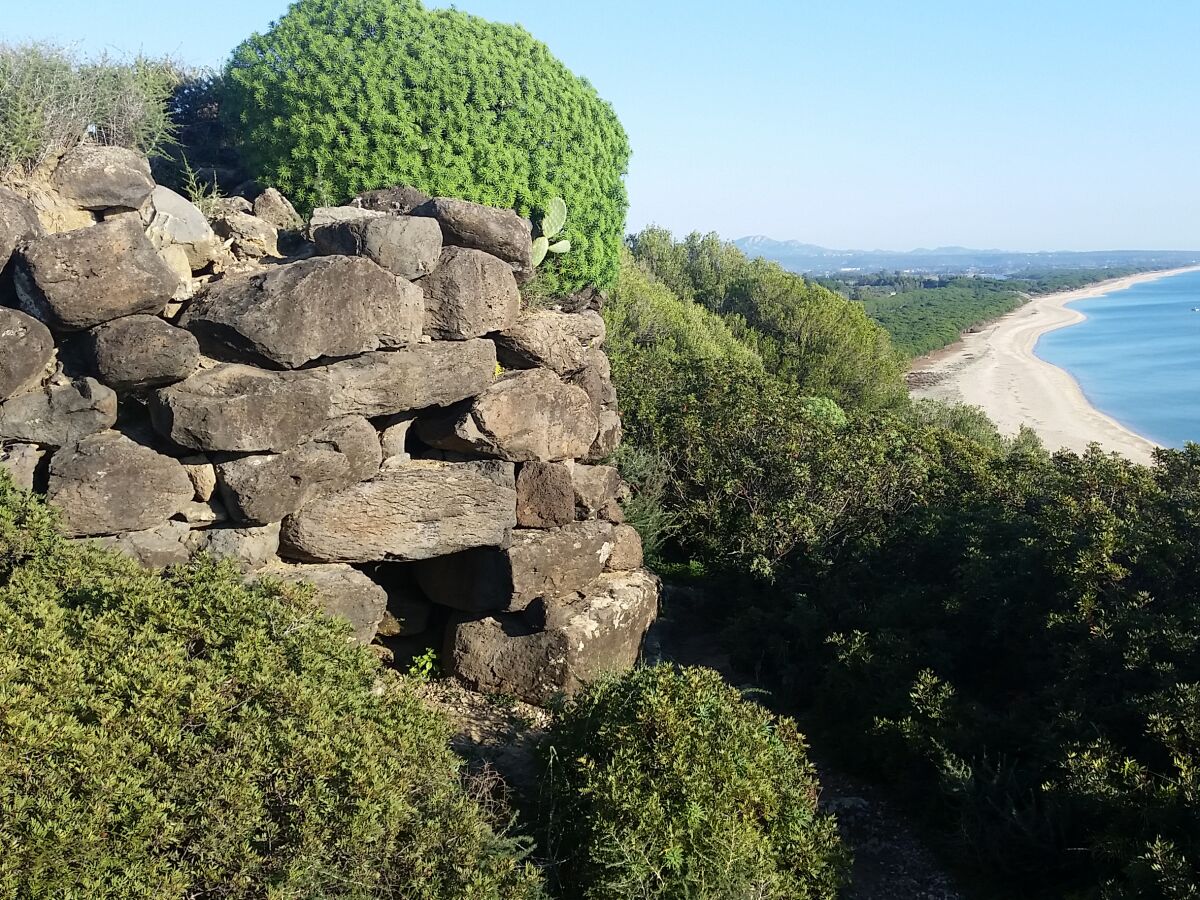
(331, 215)
(341, 591)
(26, 348)
(107, 484)
(308, 310)
(240, 409)
(99, 178)
(552, 340)
(545, 495)
(598, 492)
(568, 645)
(471, 294)
(627, 549)
(404, 245)
(58, 414)
(140, 352)
(528, 415)
(18, 222)
(500, 232)
(417, 510)
(154, 548)
(249, 549)
(265, 488)
(275, 209)
(550, 563)
(249, 237)
(82, 278)
(420, 376)
(399, 201)
(176, 221)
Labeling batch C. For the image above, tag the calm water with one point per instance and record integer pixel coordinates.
(1137, 357)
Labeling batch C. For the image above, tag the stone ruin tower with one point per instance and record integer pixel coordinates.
(371, 411)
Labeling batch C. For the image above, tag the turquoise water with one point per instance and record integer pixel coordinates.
(1137, 356)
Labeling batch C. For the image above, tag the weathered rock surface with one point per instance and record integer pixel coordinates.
(341, 591)
(418, 510)
(59, 413)
(26, 348)
(595, 377)
(155, 548)
(107, 484)
(404, 245)
(203, 474)
(627, 549)
(545, 495)
(469, 295)
(600, 631)
(608, 437)
(393, 439)
(241, 409)
(140, 352)
(419, 376)
(500, 232)
(18, 222)
(266, 488)
(177, 221)
(551, 340)
(21, 461)
(308, 310)
(275, 209)
(95, 177)
(529, 415)
(250, 549)
(82, 278)
(330, 215)
(251, 237)
(399, 201)
(598, 492)
(549, 563)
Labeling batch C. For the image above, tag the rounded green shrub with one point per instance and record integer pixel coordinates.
(342, 96)
(665, 783)
(187, 735)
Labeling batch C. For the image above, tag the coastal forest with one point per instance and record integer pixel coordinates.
(1002, 636)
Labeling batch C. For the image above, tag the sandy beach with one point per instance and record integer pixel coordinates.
(996, 369)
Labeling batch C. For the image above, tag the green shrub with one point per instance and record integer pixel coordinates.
(185, 735)
(50, 100)
(665, 783)
(342, 96)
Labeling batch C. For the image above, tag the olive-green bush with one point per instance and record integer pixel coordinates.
(342, 96)
(665, 783)
(186, 735)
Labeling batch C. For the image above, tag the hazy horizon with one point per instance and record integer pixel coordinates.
(1036, 126)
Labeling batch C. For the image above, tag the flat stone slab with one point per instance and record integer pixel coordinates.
(416, 510)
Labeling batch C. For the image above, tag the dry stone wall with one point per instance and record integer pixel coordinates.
(375, 414)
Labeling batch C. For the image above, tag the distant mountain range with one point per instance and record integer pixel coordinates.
(815, 260)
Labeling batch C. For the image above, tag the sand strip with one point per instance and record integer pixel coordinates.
(995, 368)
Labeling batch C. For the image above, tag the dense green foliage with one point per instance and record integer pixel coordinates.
(186, 735)
(342, 96)
(665, 784)
(926, 313)
(1012, 638)
(805, 334)
(51, 99)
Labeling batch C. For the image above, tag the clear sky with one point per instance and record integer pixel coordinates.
(1018, 124)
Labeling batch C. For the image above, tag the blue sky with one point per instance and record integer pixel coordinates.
(1059, 124)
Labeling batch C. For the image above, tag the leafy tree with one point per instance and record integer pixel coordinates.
(342, 96)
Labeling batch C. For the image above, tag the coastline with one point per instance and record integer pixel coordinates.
(996, 369)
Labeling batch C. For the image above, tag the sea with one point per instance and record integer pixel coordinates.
(1137, 356)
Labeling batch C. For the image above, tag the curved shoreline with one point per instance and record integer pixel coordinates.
(995, 368)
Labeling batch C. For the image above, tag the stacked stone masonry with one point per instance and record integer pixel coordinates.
(375, 414)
